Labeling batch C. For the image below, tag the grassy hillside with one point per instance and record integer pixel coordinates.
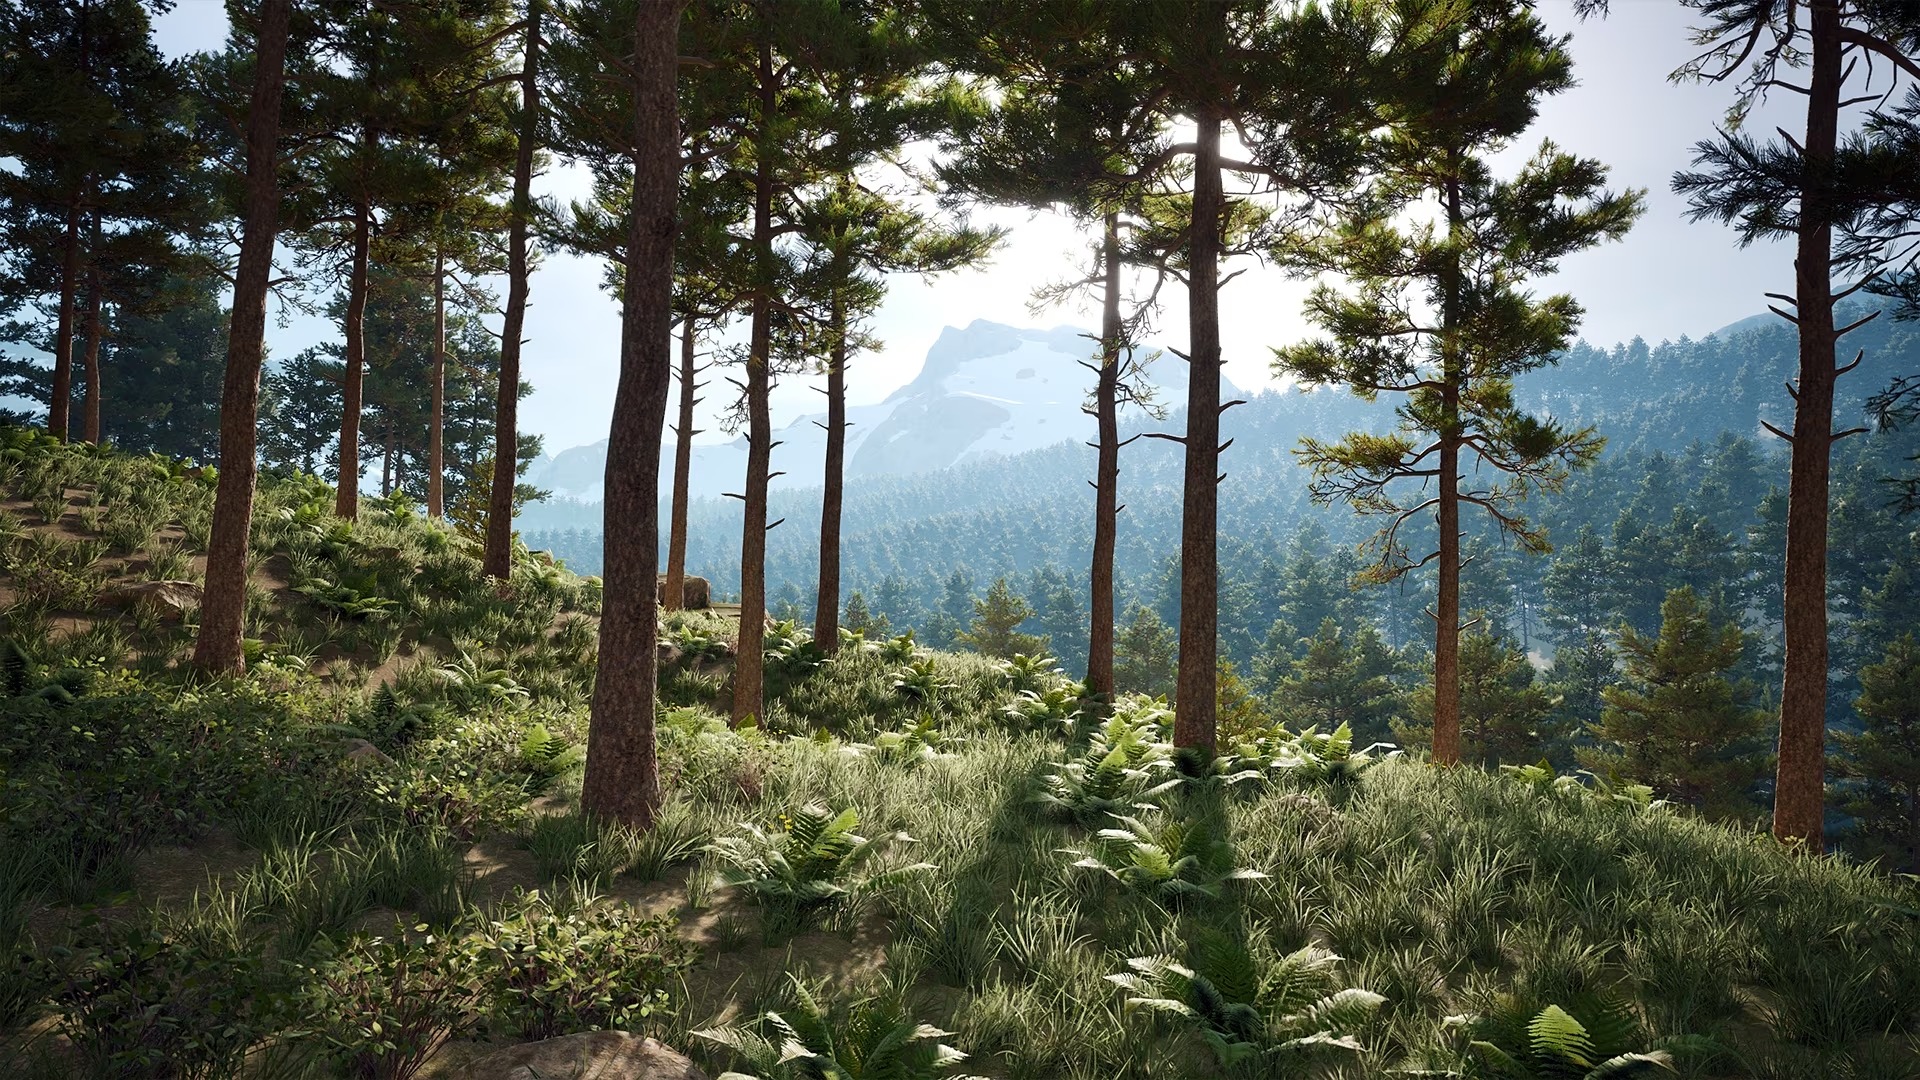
(365, 858)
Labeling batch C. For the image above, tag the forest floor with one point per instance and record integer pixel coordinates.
(367, 857)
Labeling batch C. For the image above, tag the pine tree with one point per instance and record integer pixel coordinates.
(461, 153)
(1880, 765)
(1289, 80)
(497, 556)
(857, 235)
(1582, 670)
(1504, 713)
(106, 198)
(623, 775)
(1069, 127)
(1575, 589)
(859, 620)
(1456, 363)
(1145, 654)
(223, 606)
(1342, 678)
(996, 625)
(1678, 722)
(1808, 187)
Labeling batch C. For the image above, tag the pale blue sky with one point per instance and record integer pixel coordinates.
(1668, 279)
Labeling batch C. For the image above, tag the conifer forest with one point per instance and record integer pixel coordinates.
(1401, 558)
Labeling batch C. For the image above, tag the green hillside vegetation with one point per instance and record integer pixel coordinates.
(365, 856)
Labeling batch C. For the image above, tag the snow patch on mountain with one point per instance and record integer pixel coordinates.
(988, 390)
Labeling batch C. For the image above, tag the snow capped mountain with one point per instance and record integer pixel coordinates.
(986, 391)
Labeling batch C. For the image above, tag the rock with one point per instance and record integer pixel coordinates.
(666, 653)
(362, 752)
(592, 1055)
(720, 650)
(695, 593)
(168, 598)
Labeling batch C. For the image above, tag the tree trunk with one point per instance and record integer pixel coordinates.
(437, 391)
(90, 405)
(60, 401)
(1446, 608)
(748, 671)
(223, 606)
(623, 776)
(1199, 555)
(498, 558)
(1799, 785)
(346, 500)
(683, 434)
(826, 618)
(1106, 484)
(386, 465)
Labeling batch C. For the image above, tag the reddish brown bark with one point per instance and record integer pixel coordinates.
(749, 700)
(437, 391)
(623, 777)
(223, 605)
(1800, 783)
(1194, 707)
(1106, 484)
(1446, 608)
(90, 403)
(497, 560)
(826, 617)
(61, 401)
(346, 500)
(683, 433)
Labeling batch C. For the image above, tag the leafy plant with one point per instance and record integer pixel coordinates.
(599, 967)
(356, 600)
(900, 649)
(142, 1000)
(855, 643)
(1031, 672)
(1287, 1010)
(472, 682)
(922, 740)
(1118, 772)
(1057, 706)
(1554, 1044)
(790, 650)
(546, 756)
(871, 1038)
(921, 681)
(696, 643)
(812, 858)
(383, 1007)
(1173, 861)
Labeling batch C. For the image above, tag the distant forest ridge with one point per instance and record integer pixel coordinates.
(1015, 514)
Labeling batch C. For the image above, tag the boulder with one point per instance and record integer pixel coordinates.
(592, 1055)
(169, 598)
(362, 752)
(666, 653)
(695, 593)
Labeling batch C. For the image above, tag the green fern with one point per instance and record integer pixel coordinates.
(1174, 862)
(871, 1038)
(811, 859)
(1512, 1043)
(1124, 765)
(1288, 1010)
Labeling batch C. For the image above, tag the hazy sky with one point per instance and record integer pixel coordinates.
(1667, 279)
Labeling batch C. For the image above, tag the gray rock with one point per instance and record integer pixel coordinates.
(592, 1055)
(362, 752)
(695, 592)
